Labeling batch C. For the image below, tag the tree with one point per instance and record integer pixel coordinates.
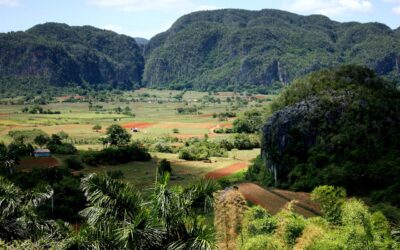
(116, 215)
(41, 140)
(97, 127)
(251, 122)
(62, 135)
(18, 212)
(117, 136)
(7, 158)
(331, 200)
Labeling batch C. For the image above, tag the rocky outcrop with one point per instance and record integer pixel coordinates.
(294, 130)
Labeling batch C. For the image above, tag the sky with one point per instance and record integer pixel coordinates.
(146, 18)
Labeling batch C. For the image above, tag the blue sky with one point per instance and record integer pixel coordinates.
(145, 18)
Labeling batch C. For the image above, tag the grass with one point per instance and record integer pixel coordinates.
(157, 107)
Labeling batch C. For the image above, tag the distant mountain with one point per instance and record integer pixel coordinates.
(63, 55)
(141, 41)
(240, 49)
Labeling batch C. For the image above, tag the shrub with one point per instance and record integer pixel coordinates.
(251, 122)
(73, 163)
(200, 150)
(331, 200)
(243, 141)
(64, 148)
(262, 242)
(175, 131)
(116, 155)
(164, 166)
(162, 148)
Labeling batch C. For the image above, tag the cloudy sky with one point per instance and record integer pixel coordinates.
(145, 18)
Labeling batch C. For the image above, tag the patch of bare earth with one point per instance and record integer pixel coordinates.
(137, 125)
(227, 170)
(272, 201)
(28, 163)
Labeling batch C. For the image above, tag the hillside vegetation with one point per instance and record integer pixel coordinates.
(62, 55)
(240, 49)
(339, 127)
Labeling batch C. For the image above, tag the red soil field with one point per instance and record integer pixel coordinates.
(303, 198)
(269, 200)
(186, 125)
(227, 170)
(26, 164)
(137, 125)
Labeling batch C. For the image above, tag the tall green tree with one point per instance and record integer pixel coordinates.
(117, 136)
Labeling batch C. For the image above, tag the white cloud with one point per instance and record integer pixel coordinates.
(329, 7)
(396, 10)
(143, 32)
(11, 3)
(146, 5)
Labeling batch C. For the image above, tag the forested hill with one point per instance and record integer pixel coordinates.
(60, 54)
(207, 50)
(228, 48)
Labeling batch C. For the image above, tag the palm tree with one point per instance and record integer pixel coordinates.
(117, 216)
(175, 207)
(18, 216)
(7, 159)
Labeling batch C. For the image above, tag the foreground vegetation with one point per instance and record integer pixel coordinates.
(123, 177)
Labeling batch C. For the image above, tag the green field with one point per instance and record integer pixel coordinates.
(155, 114)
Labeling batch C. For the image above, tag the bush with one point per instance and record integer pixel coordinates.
(175, 131)
(73, 163)
(201, 150)
(63, 148)
(164, 166)
(116, 155)
(162, 148)
(251, 122)
(243, 141)
(331, 200)
(20, 149)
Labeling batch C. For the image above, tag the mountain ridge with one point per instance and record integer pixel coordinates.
(228, 49)
(252, 48)
(65, 54)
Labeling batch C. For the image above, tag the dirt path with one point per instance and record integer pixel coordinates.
(227, 170)
(270, 200)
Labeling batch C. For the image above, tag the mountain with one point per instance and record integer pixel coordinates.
(63, 55)
(337, 127)
(141, 41)
(240, 49)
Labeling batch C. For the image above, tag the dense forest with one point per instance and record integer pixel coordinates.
(63, 55)
(207, 50)
(240, 49)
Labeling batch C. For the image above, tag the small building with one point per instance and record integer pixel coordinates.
(42, 152)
